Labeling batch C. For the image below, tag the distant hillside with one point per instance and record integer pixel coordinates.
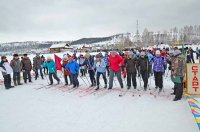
(91, 40)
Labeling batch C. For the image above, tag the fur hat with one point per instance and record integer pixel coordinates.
(15, 55)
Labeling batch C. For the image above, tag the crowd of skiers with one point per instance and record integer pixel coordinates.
(129, 65)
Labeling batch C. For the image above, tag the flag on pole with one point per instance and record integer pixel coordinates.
(58, 62)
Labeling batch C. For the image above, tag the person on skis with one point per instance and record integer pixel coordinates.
(73, 66)
(115, 68)
(159, 64)
(52, 70)
(37, 65)
(100, 66)
(131, 69)
(89, 63)
(66, 72)
(144, 68)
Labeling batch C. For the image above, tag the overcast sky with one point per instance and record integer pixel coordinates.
(22, 20)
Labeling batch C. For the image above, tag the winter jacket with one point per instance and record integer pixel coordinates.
(81, 61)
(16, 65)
(5, 68)
(73, 67)
(100, 66)
(131, 65)
(159, 64)
(106, 60)
(150, 57)
(64, 63)
(37, 62)
(51, 65)
(143, 64)
(89, 63)
(26, 64)
(178, 66)
(115, 62)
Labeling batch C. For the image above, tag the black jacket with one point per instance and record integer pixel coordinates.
(131, 65)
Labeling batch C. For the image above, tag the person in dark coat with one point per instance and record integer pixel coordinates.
(17, 67)
(191, 51)
(89, 62)
(130, 64)
(144, 68)
(6, 70)
(178, 73)
(26, 68)
(37, 65)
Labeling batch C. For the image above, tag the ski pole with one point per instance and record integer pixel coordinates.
(83, 80)
(46, 78)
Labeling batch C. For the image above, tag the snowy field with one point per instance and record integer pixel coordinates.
(33, 107)
(58, 109)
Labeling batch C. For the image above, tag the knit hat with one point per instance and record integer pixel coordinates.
(65, 56)
(171, 51)
(98, 55)
(142, 53)
(130, 53)
(113, 53)
(176, 52)
(157, 52)
(87, 55)
(48, 57)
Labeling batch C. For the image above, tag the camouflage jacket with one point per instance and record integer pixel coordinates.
(178, 66)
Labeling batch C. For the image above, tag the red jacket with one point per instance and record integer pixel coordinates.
(114, 63)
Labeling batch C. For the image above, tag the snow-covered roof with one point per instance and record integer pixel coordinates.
(61, 45)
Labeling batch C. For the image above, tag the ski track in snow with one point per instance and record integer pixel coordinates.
(58, 109)
(24, 108)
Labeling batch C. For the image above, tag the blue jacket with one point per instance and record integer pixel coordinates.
(100, 66)
(159, 64)
(51, 66)
(73, 67)
(106, 60)
(150, 57)
(89, 63)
